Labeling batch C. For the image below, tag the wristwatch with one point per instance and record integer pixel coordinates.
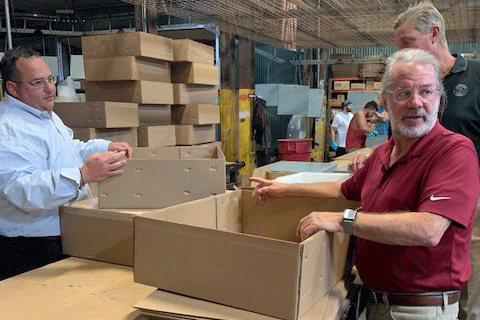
(349, 216)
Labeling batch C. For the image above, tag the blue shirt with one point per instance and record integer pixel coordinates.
(39, 169)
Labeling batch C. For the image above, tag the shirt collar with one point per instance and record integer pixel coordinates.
(419, 148)
(460, 64)
(13, 102)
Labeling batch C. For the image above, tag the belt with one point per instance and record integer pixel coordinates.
(433, 299)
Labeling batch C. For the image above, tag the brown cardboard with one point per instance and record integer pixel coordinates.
(187, 134)
(357, 86)
(128, 135)
(164, 177)
(98, 114)
(127, 68)
(194, 94)
(142, 92)
(196, 114)
(98, 234)
(264, 269)
(154, 114)
(195, 73)
(341, 85)
(107, 234)
(139, 44)
(377, 85)
(193, 51)
(167, 305)
(156, 136)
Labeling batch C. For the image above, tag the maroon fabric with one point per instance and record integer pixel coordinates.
(440, 175)
(355, 139)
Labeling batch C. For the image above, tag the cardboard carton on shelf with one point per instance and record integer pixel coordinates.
(188, 134)
(156, 136)
(128, 135)
(195, 73)
(141, 92)
(165, 176)
(196, 114)
(98, 114)
(341, 85)
(239, 263)
(192, 51)
(138, 44)
(357, 86)
(127, 68)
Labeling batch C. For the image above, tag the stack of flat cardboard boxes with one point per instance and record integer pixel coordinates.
(374, 66)
(195, 87)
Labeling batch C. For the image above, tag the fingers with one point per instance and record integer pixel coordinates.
(121, 146)
(358, 162)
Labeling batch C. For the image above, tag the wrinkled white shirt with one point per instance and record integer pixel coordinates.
(39, 169)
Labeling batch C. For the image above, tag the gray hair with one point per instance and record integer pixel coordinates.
(411, 56)
(423, 17)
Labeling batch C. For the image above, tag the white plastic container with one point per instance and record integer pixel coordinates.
(313, 177)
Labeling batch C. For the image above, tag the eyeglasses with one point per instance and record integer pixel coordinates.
(402, 94)
(40, 83)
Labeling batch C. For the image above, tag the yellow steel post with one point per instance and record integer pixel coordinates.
(245, 143)
(228, 121)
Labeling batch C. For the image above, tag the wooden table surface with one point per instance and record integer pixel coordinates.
(72, 289)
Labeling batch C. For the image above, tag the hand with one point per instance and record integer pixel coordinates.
(316, 221)
(121, 146)
(358, 161)
(268, 188)
(98, 166)
(334, 146)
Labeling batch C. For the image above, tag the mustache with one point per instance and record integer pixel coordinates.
(415, 113)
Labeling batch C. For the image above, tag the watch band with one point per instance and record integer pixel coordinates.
(349, 216)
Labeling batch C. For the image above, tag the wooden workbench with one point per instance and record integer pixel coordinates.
(73, 289)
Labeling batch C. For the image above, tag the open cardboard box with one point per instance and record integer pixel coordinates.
(165, 176)
(252, 260)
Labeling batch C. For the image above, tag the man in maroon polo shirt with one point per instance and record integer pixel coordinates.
(418, 193)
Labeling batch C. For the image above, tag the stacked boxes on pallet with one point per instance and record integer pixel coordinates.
(135, 68)
(195, 86)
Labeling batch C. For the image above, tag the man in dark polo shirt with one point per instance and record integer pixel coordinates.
(418, 193)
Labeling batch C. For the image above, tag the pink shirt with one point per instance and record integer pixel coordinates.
(441, 165)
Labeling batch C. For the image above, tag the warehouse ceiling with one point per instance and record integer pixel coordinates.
(297, 24)
(291, 24)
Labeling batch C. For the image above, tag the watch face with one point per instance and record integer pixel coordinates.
(349, 214)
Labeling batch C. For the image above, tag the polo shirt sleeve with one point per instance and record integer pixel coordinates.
(352, 188)
(452, 186)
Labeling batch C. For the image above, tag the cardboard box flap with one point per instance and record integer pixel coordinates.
(203, 216)
(229, 211)
(156, 152)
(142, 176)
(323, 264)
(207, 248)
(209, 150)
(164, 304)
(167, 305)
(89, 207)
(278, 218)
(204, 151)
